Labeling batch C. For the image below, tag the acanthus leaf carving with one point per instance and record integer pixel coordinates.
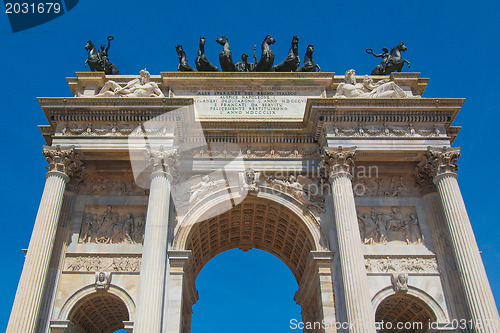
(63, 160)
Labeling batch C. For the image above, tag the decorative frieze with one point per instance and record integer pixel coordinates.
(92, 184)
(379, 225)
(387, 131)
(111, 224)
(377, 264)
(100, 263)
(223, 151)
(385, 186)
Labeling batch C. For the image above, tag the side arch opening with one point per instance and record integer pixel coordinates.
(99, 312)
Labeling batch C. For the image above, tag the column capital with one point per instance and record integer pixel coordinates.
(161, 161)
(338, 161)
(439, 162)
(63, 161)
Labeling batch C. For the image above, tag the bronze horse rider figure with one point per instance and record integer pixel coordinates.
(98, 60)
(391, 62)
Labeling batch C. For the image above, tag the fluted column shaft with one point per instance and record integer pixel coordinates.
(357, 305)
(150, 296)
(28, 305)
(480, 301)
(440, 164)
(154, 258)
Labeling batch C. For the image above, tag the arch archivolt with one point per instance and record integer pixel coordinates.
(415, 293)
(88, 290)
(271, 221)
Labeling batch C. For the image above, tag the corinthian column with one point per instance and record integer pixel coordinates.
(154, 254)
(357, 306)
(27, 307)
(440, 163)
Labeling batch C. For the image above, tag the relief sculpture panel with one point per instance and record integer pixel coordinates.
(379, 225)
(113, 224)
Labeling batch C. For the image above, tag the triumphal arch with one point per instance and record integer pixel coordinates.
(349, 180)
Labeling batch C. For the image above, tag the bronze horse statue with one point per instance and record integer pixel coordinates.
(183, 66)
(225, 56)
(309, 64)
(98, 61)
(201, 61)
(292, 61)
(395, 61)
(267, 57)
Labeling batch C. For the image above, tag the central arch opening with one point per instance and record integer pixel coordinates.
(245, 292)
(280, 237)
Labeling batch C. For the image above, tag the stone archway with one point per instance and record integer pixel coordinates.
(99, 312)
(267, 225)
(404, 308)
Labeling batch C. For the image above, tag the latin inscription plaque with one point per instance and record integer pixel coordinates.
(250, 102)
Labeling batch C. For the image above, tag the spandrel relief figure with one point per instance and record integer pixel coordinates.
(301, 188)
(205, 187)
(141, 87)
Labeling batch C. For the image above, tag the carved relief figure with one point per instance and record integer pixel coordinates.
(384, 224)
(248, 181)
(396, 220)
(368, 89)
(399, 282)
(109, 227)
(141, 87)
(205, 187)
(369, 228)
(300, 188)
(413, 232)
(381, 229)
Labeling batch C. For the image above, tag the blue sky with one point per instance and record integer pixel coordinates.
(454, 43)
